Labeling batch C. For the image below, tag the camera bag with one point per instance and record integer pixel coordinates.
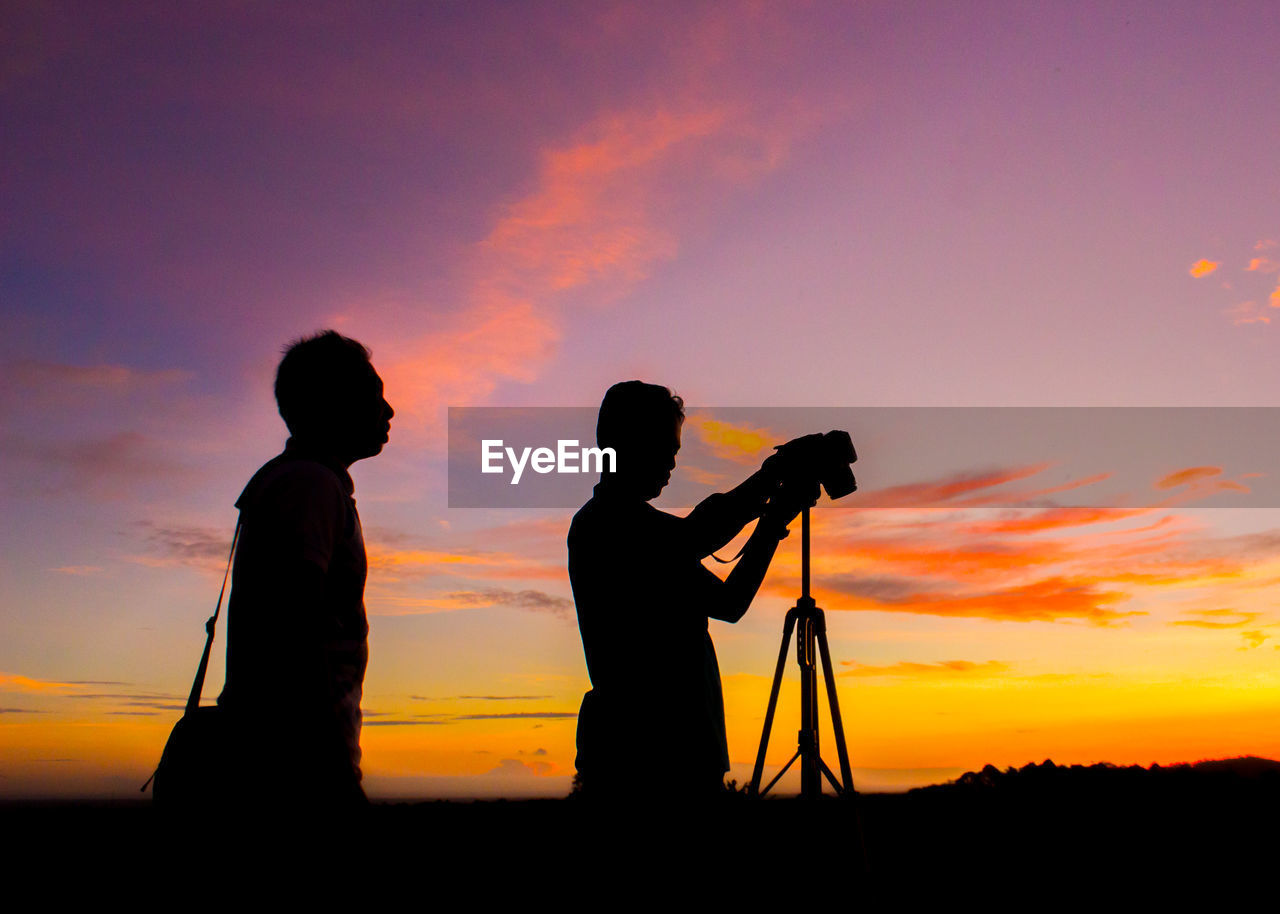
(202, 759)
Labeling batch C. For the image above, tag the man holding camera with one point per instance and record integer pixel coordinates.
(652, 725)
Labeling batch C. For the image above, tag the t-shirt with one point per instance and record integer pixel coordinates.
(642, 597)
(295, 667)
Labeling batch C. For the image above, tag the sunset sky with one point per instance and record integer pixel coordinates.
(857, 204)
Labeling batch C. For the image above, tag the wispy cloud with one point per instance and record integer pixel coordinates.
(78, 570)
(608, 202)
(535, 600)
(520, 715)
(1203, 267)
(16, 682)
(479, 697)
(393, 564)
(1190, 474)
(183, 544)
(975, 489)
(1029, 565)
(738, 442)
(1253, 639)
(1247, 312)
(106, 466)
(53, 383)
(586, 224)
(510, 767)
(945, 668)
(1218, 618)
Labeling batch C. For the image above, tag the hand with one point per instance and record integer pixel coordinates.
(777, 464)
(790, 499)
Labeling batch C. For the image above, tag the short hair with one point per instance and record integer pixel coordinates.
(315, 372)
(632, 410)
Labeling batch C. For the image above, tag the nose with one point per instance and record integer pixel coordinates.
(386, 407)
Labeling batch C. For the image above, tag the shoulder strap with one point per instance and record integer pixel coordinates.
(197, 687)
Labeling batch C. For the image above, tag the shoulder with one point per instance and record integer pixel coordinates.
(294, 485)
(585, 524)
(601, 515)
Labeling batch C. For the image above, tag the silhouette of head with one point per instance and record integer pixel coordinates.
(641, 422)
(330, 396)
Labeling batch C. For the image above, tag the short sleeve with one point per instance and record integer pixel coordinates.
(306, 509)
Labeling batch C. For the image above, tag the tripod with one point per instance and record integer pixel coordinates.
(811, 642)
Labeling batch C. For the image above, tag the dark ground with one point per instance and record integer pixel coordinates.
(1040, 822)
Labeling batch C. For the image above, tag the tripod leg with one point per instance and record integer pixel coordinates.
(837, 726)
(788, 626)
(831, 778)
(837, 730)
(778, 777)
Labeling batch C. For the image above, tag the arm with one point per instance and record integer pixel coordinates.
(744, 581)
(719, 517)
(740, 588)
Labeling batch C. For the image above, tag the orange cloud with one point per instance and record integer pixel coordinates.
(15, 682)
(1053, 519)
(1189, 475)
(934, 493)
(587, 224)
(1049, 600)
(1199, 483)
(588, 221)
(1263, 265)
(533, 600)
(948, 563)
(739, 443)
(1203, 268)
(943, 668)
(1274, 298)
(1218, 618)
(393, 564)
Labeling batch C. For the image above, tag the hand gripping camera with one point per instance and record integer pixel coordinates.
(825, 459)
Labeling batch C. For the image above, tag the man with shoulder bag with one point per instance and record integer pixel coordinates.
(288, 718)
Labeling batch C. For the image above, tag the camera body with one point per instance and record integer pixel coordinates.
(823, 458)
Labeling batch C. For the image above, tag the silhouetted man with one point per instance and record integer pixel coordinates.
(652, 725)
(297, 636)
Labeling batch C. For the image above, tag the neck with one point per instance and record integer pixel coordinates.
(320, 450)
(621, 487)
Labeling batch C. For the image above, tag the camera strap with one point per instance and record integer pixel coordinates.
(197, 687)
(785, 533)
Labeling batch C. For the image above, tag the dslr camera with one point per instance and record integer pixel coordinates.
(822, 458)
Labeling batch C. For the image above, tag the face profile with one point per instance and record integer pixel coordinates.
(331, 397)
(647, 465)
(362, 420)
(642, 423)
